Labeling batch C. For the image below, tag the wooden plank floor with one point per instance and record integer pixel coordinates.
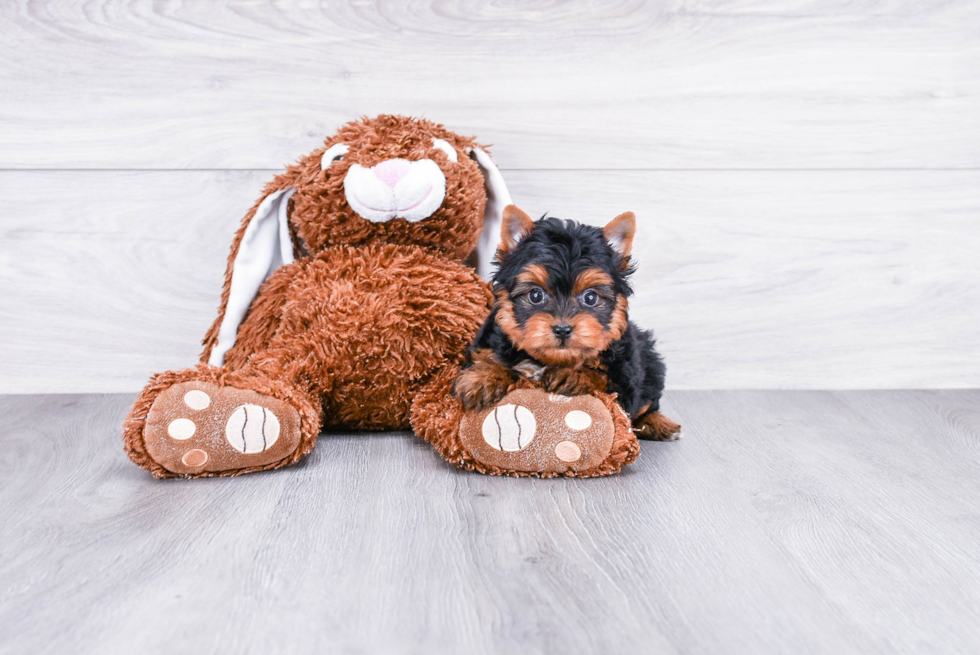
(789, 522)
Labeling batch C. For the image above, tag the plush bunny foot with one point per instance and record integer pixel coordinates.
(533, 431)
(197, 426)
(209, 421)
(529, 432)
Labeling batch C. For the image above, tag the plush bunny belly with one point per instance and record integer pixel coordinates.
(364, 328)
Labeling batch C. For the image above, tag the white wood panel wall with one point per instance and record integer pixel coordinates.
(807, 174)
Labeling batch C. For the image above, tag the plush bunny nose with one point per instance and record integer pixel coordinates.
(392, 170)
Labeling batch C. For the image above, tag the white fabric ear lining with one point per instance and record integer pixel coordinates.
(266, 245)
(334, 152)
(498, 197)
(443, 145)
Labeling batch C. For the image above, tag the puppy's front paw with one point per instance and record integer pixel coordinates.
(571, 381)
(656, 427)
(481, 386)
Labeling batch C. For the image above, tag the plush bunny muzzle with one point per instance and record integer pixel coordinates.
(395, 188)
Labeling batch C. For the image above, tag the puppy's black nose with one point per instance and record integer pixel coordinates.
(562, 330)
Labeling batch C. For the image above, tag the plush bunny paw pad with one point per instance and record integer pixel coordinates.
(199, 427)
(530, 430)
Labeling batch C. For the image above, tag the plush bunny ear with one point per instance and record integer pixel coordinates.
(265, 246)
(497, 198)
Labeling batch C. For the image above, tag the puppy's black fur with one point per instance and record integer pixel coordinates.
(563, 273)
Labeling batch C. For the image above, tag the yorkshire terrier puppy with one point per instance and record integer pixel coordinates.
(560, 317)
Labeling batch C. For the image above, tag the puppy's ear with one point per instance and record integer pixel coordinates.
(619, 233)
(514, 227)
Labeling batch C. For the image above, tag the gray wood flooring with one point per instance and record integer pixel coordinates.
(784, 522)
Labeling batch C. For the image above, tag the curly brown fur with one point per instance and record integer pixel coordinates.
(364, 326)
(561, 299)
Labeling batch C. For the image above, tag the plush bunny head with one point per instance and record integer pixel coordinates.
(389, 179)
(393, 179)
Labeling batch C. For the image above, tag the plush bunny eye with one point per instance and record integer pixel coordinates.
(334, 153)
(446, 148)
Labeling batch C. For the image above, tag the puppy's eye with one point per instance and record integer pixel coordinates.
(334, 153)
(590, 298)
(536, 296)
